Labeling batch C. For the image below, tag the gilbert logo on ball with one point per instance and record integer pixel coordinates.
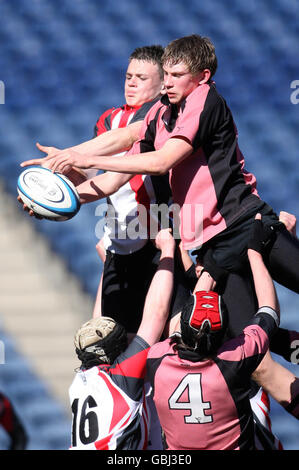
(50, 195)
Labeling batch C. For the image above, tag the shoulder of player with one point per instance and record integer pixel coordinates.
(108, 113)
(137, 347)
(154, 109)
(159, 349)
(205, 97)
(252, 341)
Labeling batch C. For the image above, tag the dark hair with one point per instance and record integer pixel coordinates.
(149, 54)
(206, 344)
(197, 52)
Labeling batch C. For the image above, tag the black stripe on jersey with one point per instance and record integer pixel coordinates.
(147, 144)
(130, 438)
(152, 366)
(141, 112)
(217, 137)
(160, 183)
(264, 438)
(95, 131)
(123, 370)
(237, 377)
(107, 121)
(266, 322)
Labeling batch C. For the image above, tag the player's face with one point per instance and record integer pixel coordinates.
(179, 82)
(143, 82)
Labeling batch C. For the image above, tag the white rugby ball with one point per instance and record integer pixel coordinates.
(50, 195)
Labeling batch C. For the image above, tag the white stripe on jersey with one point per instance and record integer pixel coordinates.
(103, 413)
(125, 208)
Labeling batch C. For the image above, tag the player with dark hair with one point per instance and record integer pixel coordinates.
(107, 395)
(201, 385)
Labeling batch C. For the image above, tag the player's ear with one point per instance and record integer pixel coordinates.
(204, 76)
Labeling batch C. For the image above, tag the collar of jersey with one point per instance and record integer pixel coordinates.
(126, 107)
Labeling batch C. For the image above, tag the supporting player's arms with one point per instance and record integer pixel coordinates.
(157, 303)
(101, 186)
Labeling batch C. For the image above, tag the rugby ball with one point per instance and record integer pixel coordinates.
(50, 195)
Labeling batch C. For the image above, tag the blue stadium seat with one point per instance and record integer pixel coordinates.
(63, 64)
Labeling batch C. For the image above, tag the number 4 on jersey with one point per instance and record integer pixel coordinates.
(195, 403)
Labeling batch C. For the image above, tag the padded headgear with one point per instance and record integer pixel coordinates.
(205, 312)
(101, 338)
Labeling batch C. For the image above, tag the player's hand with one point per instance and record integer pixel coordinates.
(164, 240)
(256, 240)
(50, 151)
(289, 220)
(61, 161)
(28, 210)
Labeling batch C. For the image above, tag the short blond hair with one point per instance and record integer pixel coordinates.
(197, 52)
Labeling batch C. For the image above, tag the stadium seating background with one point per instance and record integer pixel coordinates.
(63, 61)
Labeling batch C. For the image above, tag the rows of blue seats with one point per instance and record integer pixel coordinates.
(47, 425)
(67, 49)
(63, 61)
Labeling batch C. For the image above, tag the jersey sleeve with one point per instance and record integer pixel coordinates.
(247, 350)
(103, 124)
(128, 371)
(204, 115)
(267, 319)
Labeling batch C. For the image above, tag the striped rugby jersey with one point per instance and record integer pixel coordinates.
(108, 403)
(211, 186)
(141, 189)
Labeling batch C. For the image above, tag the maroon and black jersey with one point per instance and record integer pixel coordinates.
(204, 405)
(211, 186)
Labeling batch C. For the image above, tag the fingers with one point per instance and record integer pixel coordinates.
(43, 148)
(60, 165)
(258, 216)
(35, 161)
(163, 238)
(27, 209)
(289, 220)
(50, 151)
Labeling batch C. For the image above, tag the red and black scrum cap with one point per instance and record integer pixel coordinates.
(205, 308)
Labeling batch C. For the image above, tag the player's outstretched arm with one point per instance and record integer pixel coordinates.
(101, 186)
(157, 303)
(108, 143)
(156, 162)
(263, 283)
